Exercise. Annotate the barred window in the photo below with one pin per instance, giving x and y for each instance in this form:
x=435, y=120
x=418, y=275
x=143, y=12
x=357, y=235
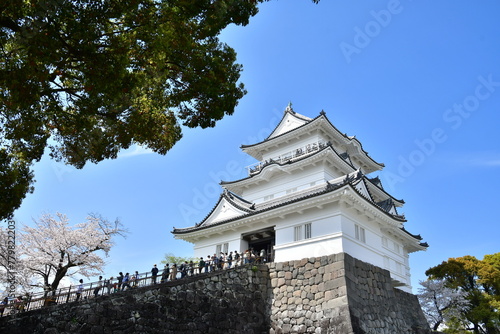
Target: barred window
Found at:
x=297, y=233
x=303, y=231
x=360, y=233
x=307, y=231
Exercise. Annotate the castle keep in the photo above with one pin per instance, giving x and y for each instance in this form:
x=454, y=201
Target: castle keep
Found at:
x=308, y=195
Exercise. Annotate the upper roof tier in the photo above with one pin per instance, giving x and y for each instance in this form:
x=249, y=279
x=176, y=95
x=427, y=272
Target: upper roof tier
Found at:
x=294, y=127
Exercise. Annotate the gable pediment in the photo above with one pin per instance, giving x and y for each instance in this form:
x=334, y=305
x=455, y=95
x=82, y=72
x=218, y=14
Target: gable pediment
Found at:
x=363, y=190
x=288, y=123
x=223, y=211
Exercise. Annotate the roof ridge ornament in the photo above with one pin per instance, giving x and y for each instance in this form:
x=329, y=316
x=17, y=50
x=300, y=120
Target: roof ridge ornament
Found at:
x=359, y=173
x=289, y=108
x=322, y=112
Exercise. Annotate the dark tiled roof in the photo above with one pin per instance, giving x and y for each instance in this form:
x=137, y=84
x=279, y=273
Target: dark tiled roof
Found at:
x=378, y=183
x=284, y=133
x=386, y=204
x=322, y=115
x=292, y=161
x=235, y=200
x=350, y=180
x=415, y=236
x=290, y=111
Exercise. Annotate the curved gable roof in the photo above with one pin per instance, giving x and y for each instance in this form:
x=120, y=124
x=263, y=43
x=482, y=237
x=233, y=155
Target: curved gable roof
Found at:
x=375, y=186
x=290, y=121
x=228, y=206
x=352, y=144
x=285, y=165
x=247, y=209
x=349, y=181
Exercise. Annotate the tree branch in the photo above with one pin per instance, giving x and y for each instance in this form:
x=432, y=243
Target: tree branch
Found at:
x=7, y=22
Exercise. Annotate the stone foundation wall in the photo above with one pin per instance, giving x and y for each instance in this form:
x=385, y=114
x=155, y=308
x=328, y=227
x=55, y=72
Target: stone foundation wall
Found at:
x=340, y=294
x=230, y=301
x=329, y=294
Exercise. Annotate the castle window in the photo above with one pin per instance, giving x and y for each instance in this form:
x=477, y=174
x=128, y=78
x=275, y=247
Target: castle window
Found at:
x=360, y=233
x=384, y=242
x=221, y=248
x=303, y=231
x=297, y=233
x=307, y=231
x=386, y=262
x=268, y=197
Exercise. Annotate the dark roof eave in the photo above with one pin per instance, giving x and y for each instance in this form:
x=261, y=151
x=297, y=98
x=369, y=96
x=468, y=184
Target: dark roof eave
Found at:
x=328, y=188
x=289, y=163
x=321, y=115
x=284, y=133
x=381, y=188
x=415, y=236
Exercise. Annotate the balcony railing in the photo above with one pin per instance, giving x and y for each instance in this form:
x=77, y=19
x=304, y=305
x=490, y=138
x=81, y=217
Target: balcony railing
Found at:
x=289, y=156
x=69, y=294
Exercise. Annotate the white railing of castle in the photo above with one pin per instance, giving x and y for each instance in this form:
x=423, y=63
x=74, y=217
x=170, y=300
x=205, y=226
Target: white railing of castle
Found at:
x=288, y=156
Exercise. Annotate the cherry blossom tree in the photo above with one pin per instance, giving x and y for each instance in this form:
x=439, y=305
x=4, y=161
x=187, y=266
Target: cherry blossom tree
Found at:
x=13, y=278
x=440, y=303
x=52, y=249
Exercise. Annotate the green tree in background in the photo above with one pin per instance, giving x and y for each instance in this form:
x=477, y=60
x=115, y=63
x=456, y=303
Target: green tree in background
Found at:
x=170, y=258
x=480, y=282
x=87, y=78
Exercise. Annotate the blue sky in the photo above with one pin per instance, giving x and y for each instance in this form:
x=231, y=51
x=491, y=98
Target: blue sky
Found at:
x=417, y=82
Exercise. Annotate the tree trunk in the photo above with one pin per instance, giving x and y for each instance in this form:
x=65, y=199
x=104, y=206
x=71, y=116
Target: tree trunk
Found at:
x=60, y=274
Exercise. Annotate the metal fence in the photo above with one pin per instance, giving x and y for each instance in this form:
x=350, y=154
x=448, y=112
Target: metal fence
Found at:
x=109, y=286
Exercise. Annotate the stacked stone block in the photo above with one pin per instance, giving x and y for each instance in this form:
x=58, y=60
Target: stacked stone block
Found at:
x=323, y=295
x=228, y=301
x=340, y=294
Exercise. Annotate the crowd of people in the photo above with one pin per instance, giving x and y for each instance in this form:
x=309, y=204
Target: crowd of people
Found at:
x=175, y=271
x=213, y=263
x=18, y=304
x=170, y=272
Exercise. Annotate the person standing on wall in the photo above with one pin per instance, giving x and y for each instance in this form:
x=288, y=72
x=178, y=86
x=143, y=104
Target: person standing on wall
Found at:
x=98, y=287
x=120, y=280
x=79, y=290
x=154, y=273
x=173, y=272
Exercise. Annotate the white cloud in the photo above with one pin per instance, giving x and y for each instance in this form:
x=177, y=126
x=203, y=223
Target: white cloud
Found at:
x=482, y=159
x=134, y=151
x=487, y=163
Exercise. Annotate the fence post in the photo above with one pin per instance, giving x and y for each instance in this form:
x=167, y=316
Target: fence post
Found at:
x=69, y=293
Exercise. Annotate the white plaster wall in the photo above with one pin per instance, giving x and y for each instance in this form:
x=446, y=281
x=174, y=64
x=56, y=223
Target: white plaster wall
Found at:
x=332, y=231
x=373, y=251
x=278, y=184
x=208, y=246
x=321, y=226
x=314, y=247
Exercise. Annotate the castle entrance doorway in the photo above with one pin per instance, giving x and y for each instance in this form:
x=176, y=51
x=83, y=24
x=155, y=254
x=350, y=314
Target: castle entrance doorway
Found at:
x=261, y=242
